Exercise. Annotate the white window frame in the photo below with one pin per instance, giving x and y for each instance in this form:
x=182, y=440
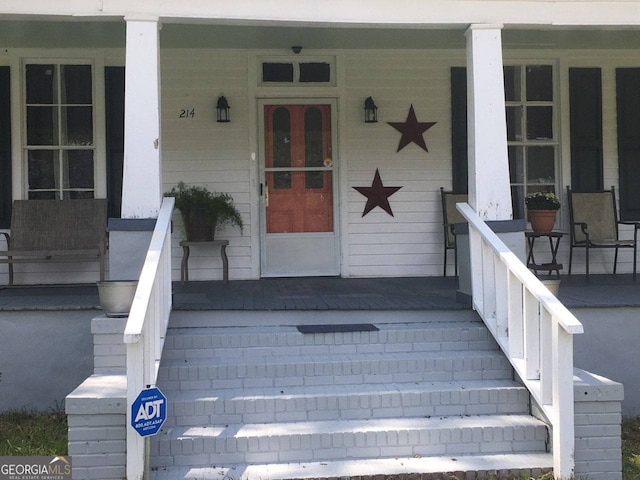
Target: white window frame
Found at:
x=295, y=62
x=525, y=143
x=98, y=141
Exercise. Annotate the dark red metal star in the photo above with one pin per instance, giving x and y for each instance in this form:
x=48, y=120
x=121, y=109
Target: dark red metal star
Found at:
x=377, y=195
x=412, y=130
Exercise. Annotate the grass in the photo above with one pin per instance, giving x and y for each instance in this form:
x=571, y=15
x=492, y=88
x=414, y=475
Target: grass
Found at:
x=631, y=448
x=25, y=433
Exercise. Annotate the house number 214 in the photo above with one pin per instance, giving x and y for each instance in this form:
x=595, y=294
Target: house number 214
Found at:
x=187, y=113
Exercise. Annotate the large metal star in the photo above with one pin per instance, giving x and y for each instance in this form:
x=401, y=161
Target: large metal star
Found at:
x=377, y=195
x=412, y=130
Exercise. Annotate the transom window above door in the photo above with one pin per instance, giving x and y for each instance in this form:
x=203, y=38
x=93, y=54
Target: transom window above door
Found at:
x=58, y=141
x=280, y=71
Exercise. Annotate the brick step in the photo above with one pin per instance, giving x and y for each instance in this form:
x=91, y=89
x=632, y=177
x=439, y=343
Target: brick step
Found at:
x=346, y=402
x=186, y=343
x=462, y=467
x=347, y=439
x=298, y=370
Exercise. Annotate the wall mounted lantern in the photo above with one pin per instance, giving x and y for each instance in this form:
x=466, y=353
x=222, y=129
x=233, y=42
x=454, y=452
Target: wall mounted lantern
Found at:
x=370, y=111
x=222, y=110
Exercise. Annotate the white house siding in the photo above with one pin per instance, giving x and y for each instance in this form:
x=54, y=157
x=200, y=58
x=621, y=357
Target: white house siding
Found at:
x=200, y=151
x=410, y=242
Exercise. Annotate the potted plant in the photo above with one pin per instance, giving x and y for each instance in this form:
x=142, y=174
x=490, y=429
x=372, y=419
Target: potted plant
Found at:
x=542, y=208
x=204, y=211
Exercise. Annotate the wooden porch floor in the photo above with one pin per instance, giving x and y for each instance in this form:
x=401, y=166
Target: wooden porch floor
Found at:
x=324, y=293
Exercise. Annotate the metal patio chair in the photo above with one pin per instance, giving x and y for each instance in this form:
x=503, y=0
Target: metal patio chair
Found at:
x=451, y=216
x=594, y=224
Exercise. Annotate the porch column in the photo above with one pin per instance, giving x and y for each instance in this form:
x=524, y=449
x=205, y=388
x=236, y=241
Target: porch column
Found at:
x=130, y=235
x=489, y=187
x=141, y=183
x=489, y=183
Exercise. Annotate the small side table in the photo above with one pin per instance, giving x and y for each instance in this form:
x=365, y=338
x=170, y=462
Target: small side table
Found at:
x=554, y=241
x=186, y=250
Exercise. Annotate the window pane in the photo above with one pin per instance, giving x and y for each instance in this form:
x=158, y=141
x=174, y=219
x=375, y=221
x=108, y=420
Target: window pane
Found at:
x=315, y=72
x=76, y=84
x=539, y=123
x=514, y=123
x=77, y=126
x=516, y=164
x=540, y=165
x=41, y=84
x=517, y=201
x=78, y=195
x=539, y=83
x=277, y=72
x=44, y=195
x=78, y=169
x=43, y=170
x=42, y=126
x=512, y=84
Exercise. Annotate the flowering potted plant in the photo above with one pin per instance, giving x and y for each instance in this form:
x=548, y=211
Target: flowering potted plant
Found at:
x=542, y=208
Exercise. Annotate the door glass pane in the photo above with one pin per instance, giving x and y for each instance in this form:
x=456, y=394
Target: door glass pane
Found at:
x=41, y=84
x=42, y=126
x=539, y=83
x=539, y=123
x=77, y=169
x=76, y=84
x=77, y=126
x=540, y=165
x=313, y=148
x=512, y=84
x=281, y=147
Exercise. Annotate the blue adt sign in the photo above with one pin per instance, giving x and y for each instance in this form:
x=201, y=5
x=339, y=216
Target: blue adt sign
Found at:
x=148, y=412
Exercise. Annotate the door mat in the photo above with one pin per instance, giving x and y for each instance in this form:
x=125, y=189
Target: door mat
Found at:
x=342, y=327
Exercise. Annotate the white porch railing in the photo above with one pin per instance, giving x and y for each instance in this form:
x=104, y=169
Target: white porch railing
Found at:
x=145, y=331
x=532, y=327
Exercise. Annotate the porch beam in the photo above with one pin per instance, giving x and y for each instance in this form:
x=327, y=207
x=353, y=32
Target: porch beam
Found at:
x=141, y=183
x=346, y=12
x=489, y=185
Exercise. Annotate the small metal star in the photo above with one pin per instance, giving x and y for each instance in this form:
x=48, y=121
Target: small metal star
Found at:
x=377, y=195
x=412, y=130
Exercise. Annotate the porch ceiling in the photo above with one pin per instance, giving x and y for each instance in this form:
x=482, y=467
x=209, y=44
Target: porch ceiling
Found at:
x=111, y=34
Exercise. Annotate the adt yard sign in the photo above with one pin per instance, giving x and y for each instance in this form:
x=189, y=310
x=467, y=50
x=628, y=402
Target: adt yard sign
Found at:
x=148, y=412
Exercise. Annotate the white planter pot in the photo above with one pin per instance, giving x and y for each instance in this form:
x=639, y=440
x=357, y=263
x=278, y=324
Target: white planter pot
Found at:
x=116, y=296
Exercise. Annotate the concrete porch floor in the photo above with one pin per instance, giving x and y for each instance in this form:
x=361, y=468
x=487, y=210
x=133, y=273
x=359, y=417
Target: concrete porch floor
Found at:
x=324, y=293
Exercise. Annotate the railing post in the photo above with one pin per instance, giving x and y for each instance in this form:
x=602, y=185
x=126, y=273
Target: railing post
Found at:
x=531, y=336
x=135, y=383
x=516, y=330
x=563, y=410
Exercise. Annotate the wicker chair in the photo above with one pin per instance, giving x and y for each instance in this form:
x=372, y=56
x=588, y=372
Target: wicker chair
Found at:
x=451, y=216
x=594, y=224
